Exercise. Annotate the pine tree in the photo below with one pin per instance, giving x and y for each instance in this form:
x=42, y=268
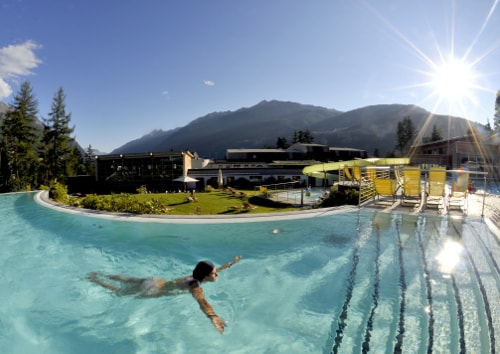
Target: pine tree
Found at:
x=88, y=161
x=302, y=136
x=307, y=137
x=20, y=139
x=4, y=163
x=488, y=125
x=59, y=157
x=282, y=143
x=436, y=134
x=405, y=135
x=496, y=120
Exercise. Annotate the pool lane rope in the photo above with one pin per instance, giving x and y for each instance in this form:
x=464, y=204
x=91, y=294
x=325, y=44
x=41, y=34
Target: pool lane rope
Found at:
x=460, y=315
x=428, y=287
x=350, y=287
x=375, y=296
x=402, y=301
x=484, y=295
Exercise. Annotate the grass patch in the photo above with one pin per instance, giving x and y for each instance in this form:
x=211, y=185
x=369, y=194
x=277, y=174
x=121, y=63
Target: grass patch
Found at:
x=216, y=202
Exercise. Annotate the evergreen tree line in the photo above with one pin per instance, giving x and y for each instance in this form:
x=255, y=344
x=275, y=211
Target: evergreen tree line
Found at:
x=37, y=152
x=299, y=136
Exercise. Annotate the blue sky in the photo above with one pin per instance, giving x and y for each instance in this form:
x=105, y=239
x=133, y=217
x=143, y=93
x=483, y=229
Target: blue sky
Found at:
x=129, y=66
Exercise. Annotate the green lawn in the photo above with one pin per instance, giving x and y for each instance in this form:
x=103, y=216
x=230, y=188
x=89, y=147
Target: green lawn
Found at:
x=216, y=202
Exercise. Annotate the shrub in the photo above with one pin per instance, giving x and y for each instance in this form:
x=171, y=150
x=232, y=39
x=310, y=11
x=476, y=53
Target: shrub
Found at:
x=341, y=197
x=58, y=192
x=142, y=190
x=123, y=203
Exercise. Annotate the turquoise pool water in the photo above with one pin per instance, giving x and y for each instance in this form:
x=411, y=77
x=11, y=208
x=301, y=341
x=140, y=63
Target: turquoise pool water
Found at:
x=336, y=283
x=296, y=196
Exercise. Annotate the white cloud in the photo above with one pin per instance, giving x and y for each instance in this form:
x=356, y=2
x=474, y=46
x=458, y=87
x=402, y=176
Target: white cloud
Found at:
x=5, y=90
x=209, y=83
x=16, y=60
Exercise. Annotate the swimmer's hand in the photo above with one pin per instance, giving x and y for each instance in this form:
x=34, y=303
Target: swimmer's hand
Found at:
x=229, y=264
x=218, y=323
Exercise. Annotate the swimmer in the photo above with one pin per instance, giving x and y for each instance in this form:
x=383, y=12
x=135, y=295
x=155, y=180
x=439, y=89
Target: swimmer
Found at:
x=204, y=271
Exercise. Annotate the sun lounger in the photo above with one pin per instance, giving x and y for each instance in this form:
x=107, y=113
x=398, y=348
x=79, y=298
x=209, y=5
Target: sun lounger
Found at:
x=356, y=171
x=347, y=173
x=412, y=185
x=458, y=195
x=436, y=187
x=371, y=173
x=385, y=188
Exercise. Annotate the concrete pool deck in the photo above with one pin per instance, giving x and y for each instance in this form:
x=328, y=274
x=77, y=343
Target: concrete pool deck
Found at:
x=490, y=211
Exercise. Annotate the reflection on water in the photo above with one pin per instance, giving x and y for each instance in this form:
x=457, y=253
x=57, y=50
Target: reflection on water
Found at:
x=351, y=280
x=449, y=256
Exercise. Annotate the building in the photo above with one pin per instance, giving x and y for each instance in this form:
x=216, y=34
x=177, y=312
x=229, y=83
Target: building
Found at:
x=296, y=152
x=155, y=170
x=242, y=168
x=460, y=152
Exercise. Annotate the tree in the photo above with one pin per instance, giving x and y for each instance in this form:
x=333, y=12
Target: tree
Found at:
x=59, y=156
x=282, y=143
x=488, y=125
x=405, y=135
x=436, y=134
x=88, y=161
x=4, y=165
x=496, y=120
x=20, y=140
x=302, y=136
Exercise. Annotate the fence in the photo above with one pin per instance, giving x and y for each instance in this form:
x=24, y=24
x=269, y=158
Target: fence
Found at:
x=287, y=192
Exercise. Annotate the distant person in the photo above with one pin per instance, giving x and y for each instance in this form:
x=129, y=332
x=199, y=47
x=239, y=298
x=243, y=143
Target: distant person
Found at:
x=472, y=187
x=192, y=197
x=204, y=271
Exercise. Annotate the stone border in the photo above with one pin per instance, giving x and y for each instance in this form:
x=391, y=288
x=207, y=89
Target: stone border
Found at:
x=43, y=199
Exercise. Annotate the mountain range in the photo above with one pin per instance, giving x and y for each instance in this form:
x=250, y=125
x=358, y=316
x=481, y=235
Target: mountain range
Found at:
x=367, y=128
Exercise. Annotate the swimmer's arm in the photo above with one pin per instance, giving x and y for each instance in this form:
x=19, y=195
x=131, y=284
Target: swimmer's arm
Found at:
x=218, y=323
x=229, y=264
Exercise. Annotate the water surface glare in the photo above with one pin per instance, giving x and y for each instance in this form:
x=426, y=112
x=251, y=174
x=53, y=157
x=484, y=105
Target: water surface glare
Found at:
x=335, y=283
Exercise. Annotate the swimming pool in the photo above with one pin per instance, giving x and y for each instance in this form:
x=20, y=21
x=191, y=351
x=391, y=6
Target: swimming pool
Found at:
x=299, y=196
x=336, y=283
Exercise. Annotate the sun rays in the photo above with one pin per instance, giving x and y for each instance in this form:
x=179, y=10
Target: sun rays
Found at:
x=453, y=79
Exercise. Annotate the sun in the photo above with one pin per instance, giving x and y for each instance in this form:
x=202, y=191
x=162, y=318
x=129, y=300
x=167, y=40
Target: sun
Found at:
x=453, y=80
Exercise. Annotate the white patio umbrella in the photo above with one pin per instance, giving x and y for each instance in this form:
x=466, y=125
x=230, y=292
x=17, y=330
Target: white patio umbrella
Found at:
x=185, y=179
x=220, y=179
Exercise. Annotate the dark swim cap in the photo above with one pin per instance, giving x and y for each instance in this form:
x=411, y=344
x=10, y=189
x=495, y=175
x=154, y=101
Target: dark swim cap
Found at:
x=202, y=269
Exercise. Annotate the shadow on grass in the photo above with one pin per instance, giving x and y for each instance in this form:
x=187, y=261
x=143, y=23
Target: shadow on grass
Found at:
x=234, y=211
x=268, y=203
x=180, y=203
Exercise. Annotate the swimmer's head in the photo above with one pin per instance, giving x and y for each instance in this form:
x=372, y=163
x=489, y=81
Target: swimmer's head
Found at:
x=203, y=269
